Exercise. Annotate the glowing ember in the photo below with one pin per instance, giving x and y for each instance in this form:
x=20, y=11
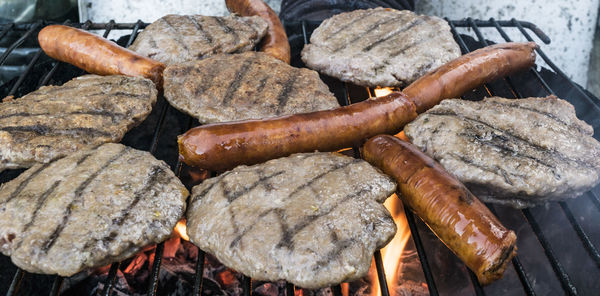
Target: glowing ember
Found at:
x=380, y=92
x=180, y=229
x=393, y=251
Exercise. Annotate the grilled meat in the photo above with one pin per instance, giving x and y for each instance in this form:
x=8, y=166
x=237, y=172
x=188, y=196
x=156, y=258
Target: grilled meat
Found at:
x=249, y=85
x=88, y=209
x=179, y=38
x=514, y=152
x=312, y=219
x=55, y=121
x=380, y=47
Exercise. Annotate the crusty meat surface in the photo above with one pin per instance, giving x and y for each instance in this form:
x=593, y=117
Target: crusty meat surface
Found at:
x=55, y=121
x=380, y=46
x=88, y=209
x=520, y=152
x=180, y=38
x=250, y=85
x=312, y=219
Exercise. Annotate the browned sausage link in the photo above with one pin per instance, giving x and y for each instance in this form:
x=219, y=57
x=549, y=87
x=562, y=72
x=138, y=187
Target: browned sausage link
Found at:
x=275, y=43
x=469, y=71
x=223, y=146
x=457, y=217
x=96, y=55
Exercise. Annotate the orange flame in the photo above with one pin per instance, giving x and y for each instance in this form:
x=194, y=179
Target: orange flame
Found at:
x=380, y=92
x=181, y=228
x=392, y=253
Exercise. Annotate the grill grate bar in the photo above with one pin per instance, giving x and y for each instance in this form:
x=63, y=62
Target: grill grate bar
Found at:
x=381, y=274
x=6, y=30
x=595, y=199
x=556, y=69
x=134, y=33
x=198, y=276
x=109, y=26
x=565, y=281
x=18, y=42
x=16, y=282
x=290, y=290
x=112, y=274
x=35, y=58
x=410, y=217
x=247, y=285
x=158, y=255
x=582, y=235
x=56, y=285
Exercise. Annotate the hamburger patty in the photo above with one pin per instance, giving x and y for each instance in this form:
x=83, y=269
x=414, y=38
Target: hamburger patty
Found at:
x=55, y=121
x=312, y=219
x=380, y=46
x=250, y=85
x=517, y=152
x=88, y=209
x=180, y=38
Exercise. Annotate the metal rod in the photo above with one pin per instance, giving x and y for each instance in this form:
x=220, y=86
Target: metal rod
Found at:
x=523, y=276
x=304, y=32
x=476, y=285
x=16, y=282
x=109, y=26
x=110, y=279
x=489, y=23
x=199, y=275
x=159, y=126
x=18, y=42
x=517, y=264
x=421, y=252
x=595, y=199
x=582, y=235
x=337, y=290
x=565, y=281
x=35, y=58
x=290, y=290
x=381, y=274
x=556, y=69
x=158, y=255
x=56, y=285
x=6, y=30
x=247, y=285
x=134, y=33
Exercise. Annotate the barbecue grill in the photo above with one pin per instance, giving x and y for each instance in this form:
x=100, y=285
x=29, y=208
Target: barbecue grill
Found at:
x=558, y=243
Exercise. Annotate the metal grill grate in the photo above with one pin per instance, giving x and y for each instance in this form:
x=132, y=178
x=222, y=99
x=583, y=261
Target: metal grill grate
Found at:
x=587, y=106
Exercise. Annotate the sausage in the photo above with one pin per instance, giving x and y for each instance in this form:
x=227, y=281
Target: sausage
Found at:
x=219, y=147
x=226, y=145
x=458, y=76
x=97, y=55
x=453, y=213
x=275, y=43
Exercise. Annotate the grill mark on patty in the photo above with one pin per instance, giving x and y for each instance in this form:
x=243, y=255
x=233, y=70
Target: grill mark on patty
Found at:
x=38, y=205
x=157, y=175
x=45, y=130
x=392, y=35
x=209, y=187
x=365, y=33
x=286, y=90
x=205, y=35
x=177, y=36
x=262, y=180
x=334, y=253
x=336, y=167
x=237, y=80
x=516, y=138
x=496, y=171
x=352, y=23
x=288, y=233
x=228, y=30
x=27, y=180
x=545, y=114
x=77, y=194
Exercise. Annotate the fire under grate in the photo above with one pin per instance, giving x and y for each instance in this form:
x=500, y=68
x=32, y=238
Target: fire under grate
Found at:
x=558, y=251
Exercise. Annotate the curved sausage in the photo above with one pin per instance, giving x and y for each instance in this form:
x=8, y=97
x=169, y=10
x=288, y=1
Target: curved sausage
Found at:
x=453, y=213
x=223, y=146
x=275, y=43
x=469, y=71
x=96, y=55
